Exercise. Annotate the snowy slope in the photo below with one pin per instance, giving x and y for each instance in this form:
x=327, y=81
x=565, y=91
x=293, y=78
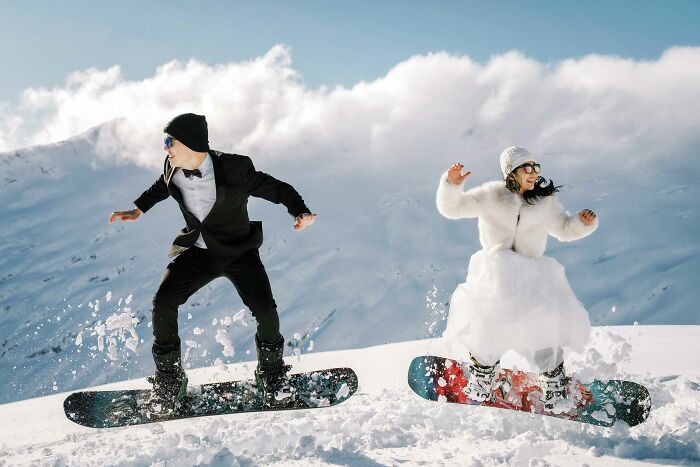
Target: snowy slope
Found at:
x=377, y=267
x=385, y=424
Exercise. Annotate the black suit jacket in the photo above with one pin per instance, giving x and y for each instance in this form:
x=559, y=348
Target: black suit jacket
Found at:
x=227, y=230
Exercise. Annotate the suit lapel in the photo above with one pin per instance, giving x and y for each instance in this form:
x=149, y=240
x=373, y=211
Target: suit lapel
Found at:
x=172, y=188
x=169, y=176
x=219, y=179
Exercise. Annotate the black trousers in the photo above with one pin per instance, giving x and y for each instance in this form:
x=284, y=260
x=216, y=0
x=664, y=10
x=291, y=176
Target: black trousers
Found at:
x=195, y=268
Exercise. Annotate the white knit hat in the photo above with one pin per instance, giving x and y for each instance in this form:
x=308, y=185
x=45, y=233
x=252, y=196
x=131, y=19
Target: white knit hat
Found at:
x=512, y=158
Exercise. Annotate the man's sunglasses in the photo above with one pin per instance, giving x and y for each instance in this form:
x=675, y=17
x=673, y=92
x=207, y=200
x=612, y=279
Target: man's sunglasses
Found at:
x=530, y=167
x=169, y=140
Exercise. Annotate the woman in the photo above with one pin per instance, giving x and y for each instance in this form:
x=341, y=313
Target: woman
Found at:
x=514, y=298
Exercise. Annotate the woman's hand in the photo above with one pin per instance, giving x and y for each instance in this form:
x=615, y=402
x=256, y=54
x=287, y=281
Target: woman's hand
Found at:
x=587, y=216
x=454, y=174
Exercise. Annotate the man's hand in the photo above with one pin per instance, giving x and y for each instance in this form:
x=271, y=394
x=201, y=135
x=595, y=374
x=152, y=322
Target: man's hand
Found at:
x=587, y=216
x=454, y=174
x=303, y=221
x=127, y=216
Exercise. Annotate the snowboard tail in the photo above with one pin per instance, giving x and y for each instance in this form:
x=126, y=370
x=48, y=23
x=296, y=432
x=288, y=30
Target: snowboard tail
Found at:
x=109, y=409
x=599, y=403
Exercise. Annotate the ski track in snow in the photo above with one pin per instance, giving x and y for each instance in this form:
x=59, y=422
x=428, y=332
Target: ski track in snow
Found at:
x=386, y=424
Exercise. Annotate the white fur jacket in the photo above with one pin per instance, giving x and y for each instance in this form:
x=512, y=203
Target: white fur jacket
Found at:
x=506, y=221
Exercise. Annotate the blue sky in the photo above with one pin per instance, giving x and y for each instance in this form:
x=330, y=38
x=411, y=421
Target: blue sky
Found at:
x=332, y=42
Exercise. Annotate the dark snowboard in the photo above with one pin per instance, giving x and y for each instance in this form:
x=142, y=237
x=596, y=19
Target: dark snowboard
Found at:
x=108, y=409
x=599, y=403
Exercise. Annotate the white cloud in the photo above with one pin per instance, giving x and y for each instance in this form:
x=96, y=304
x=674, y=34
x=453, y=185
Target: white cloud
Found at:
x=435, y=105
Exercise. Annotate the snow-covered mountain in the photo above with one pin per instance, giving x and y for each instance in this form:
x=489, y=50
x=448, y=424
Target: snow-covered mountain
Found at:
x=378, y=266
x=384, y=423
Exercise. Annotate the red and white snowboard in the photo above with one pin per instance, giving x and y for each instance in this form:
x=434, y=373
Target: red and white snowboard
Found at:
x=599, y=403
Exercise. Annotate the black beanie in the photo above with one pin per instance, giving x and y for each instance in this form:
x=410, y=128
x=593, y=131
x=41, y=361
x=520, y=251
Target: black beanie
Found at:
x=190, y=130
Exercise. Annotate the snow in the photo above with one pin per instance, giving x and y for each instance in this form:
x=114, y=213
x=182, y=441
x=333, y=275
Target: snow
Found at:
x=239, y=317
x=384, y=423
x=377, y=267
x=364, y=287
x=223, y=337
x=343, y=391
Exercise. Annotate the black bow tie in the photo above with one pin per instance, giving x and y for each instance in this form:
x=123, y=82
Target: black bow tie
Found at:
x=190, y=173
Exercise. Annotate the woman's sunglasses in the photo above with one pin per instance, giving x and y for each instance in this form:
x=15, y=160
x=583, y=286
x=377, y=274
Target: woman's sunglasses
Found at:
x=169, y=140
x=528, y=168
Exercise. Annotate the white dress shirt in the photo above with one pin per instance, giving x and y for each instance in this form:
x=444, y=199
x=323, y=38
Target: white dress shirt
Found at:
x=198, y=194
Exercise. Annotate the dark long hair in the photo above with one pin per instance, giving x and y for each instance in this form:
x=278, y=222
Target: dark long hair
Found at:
x=542, y=188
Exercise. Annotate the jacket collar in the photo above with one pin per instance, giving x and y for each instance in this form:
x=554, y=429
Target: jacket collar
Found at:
x=219, y=180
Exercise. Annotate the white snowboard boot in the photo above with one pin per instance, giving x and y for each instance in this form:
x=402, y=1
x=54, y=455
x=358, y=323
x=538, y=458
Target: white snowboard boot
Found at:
x=554, y=385
x=480, y=380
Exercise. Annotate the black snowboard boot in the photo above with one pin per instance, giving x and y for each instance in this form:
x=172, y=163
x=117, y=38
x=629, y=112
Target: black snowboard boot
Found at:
x=554, y=385
x=169, y=383
x=271, y=373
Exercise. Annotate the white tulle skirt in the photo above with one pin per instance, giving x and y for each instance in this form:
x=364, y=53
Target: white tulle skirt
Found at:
x=514, y=302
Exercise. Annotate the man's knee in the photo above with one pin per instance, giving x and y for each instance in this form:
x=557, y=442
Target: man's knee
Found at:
x=167, y=297
x=262, y=306
x=163, y=301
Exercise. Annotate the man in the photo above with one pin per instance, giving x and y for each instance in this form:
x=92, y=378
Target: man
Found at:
x=212, y=190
